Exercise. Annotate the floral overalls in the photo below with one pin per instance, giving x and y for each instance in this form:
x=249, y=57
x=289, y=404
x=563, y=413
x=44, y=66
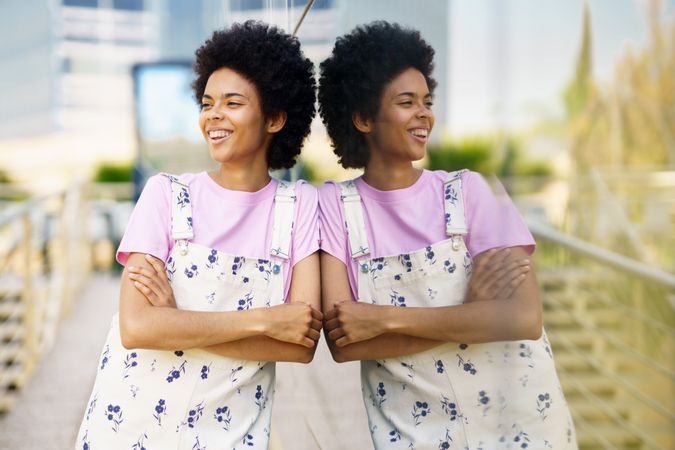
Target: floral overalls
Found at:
x=499, y=395
x=192, y=399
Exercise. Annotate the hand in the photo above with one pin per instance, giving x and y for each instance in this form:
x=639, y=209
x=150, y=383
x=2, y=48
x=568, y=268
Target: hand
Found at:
x=153, y=283
x=295, y=322
x=496, y=275
x=349, y=322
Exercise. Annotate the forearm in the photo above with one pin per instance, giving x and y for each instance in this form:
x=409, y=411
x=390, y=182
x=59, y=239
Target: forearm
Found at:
x=169, y=328
x=263, y=348
x=390, y=345
x=487, y=321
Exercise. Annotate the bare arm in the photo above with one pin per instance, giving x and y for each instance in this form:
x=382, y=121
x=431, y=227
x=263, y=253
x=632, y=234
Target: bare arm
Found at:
x=304, y=293
x=518, y=316
x=304, y=288
x=334, y=290
x=143, y=325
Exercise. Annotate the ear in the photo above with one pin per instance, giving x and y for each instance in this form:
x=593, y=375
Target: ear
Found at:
x=361, y=123
x=275, y=123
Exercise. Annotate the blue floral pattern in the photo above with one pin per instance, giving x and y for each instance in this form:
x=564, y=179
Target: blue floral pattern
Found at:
x=419, y=411
x=129, y=363
x=160, y=411
x=139, y=397
x=105, y=357
x=456, y=392
x=114, y=415
x=224, y=416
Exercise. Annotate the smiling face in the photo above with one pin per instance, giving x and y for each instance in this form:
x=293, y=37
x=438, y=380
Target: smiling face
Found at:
x=232, y=121
x=400, y=130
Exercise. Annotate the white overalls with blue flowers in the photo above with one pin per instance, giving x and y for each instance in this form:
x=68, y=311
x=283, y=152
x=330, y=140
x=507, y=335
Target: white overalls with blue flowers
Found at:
x=193, y=399
x=499, y=395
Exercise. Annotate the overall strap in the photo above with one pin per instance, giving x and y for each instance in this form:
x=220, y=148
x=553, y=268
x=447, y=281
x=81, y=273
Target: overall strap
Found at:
x=181, y=210
x=284, y=212
x=455, y=221
x=356, y=227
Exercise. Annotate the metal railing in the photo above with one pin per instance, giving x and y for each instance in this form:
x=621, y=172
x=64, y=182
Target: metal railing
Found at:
x=44, y=260
x=611, y=323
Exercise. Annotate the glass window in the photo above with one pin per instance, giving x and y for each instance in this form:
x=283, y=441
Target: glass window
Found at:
x=244, y=5
x=318, y=4
x=131, y=5
x=83, y=3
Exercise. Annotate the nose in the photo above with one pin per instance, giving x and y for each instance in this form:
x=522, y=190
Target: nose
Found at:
x=214, y=113
x=423, y=111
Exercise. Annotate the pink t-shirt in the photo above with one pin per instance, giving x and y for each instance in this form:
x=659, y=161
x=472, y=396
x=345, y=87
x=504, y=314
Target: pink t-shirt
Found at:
x=235, y=222
x=405, y=220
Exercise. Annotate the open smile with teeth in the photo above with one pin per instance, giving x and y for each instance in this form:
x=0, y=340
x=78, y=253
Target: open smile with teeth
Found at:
x=420, y=133
x=219, y=134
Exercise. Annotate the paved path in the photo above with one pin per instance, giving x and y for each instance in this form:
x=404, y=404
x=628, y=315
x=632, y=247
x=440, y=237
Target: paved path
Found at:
x=317, y=406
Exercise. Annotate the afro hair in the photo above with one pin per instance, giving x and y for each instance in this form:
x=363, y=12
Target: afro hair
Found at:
x=354, y=76
x=271, y=60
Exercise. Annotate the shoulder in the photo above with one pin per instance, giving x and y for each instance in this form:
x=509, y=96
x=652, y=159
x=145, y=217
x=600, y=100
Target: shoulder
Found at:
x=163, y=180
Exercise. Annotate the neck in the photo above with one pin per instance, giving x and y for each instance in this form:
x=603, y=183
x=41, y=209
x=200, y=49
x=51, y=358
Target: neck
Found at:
x=237, y=178
x=387, y=177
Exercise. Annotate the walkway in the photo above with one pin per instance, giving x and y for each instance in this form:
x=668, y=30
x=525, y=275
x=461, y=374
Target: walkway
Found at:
x=317, y=406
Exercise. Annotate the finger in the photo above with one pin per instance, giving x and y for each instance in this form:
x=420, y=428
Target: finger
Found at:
x=316, y=324
x=332, y=324
x=159, y=275
x=342, y=341
x=307, y=342
x=155, y=263
x=147, y=281
x=506, y=266
x=513, y=270
x=484, y=262
x=147, y=292
x=336, y=334
x=313, y=335
x=513, y=285
x=316, y=314
x=330, y=314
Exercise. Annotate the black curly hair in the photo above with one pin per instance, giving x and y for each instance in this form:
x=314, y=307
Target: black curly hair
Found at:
x=271, y=60
x=354, y=76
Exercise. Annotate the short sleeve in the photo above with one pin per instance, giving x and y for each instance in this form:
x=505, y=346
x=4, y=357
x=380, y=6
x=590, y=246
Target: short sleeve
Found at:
x=334, y=238
x=305, y=239
x=492, y=218
x=149, y=227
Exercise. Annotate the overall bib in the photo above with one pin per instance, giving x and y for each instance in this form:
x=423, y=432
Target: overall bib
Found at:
x=193, y=399
x=498, y=395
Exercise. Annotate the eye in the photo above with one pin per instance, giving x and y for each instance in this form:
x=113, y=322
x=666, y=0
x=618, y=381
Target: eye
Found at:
x=429, y=103
x=233, y=104
x=204, y=106
x=406, y=103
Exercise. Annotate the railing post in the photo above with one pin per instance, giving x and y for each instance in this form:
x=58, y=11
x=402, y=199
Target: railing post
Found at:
x=27, y=295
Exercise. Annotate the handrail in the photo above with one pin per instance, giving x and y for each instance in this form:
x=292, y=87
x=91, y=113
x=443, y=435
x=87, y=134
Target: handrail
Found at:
x=14, y=211
x=609, y=411
x=634, y=315
x=602, y=255
x=44, y=240
x=635, y=392
x=646, y=360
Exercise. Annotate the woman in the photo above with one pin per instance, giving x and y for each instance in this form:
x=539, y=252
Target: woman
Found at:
x=448, y=360
x=190, y=372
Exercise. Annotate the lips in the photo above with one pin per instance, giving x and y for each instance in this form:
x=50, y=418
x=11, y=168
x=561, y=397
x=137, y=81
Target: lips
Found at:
x=218, y=135
x=421, y=134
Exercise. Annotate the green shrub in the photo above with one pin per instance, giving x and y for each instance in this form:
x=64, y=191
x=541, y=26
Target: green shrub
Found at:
x=473, y=154
x=113, y=173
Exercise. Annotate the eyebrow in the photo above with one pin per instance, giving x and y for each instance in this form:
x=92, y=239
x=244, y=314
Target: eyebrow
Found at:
x=411, y=94
x=225, y=95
